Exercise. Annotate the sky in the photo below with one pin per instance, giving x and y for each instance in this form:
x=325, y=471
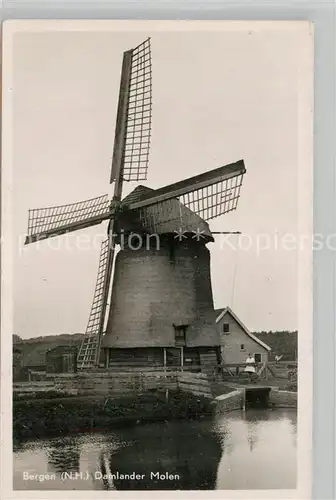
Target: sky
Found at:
x=217, y=97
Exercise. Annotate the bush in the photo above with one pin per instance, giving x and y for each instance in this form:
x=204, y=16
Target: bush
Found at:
x=292, y=387
x=38, y=417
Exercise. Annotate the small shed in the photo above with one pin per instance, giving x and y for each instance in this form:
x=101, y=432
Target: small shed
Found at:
x=237, y=341
x=62, y=359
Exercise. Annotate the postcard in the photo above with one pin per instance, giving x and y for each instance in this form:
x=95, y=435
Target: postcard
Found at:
x=157, y=258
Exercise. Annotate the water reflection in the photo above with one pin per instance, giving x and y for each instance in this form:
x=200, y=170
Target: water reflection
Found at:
x=168, y=456
x=251, y=450
x=64, y=456
x=252, y=435
x=262, y=450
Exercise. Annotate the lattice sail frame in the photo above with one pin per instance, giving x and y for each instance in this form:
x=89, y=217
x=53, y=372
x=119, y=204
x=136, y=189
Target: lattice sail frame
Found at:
x=215, y=200
x=139, y=115
x=90, y=347
x=208, y=203
x=52, y=218
x=208, y=195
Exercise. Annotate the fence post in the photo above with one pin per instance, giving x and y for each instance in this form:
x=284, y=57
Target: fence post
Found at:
x=107, y=359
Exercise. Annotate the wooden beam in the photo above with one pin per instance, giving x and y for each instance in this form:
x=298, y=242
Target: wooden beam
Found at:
x=192, y=184
x=121, y=124
x=116, y=175
x=107, y=286
x=107, y=358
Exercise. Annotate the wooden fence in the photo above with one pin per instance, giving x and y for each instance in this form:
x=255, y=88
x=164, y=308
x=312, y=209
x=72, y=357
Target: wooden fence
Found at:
x=33, y=386
x=265, y=370
x=110, y=383
x=195, y=383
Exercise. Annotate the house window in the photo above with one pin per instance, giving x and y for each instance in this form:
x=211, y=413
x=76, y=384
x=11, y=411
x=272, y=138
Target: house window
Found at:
x=257, y=358
x=226, y=328
x=180, y=335
x=242, y=347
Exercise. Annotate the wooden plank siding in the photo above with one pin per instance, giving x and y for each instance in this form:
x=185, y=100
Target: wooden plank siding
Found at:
x=153, y=358
x=136, y=358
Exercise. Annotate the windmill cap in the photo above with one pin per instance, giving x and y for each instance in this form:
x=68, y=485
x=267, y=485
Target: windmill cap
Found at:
x=165, y=217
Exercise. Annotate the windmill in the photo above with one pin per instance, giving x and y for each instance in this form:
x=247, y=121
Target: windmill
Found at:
x=176, y=213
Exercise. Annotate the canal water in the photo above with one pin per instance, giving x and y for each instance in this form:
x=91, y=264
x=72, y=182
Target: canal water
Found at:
x=242, y=450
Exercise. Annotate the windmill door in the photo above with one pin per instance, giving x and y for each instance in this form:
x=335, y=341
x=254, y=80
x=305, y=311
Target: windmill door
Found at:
x=173, y=357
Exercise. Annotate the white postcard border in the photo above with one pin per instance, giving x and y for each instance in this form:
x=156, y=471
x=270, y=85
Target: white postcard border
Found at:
x=305, y=292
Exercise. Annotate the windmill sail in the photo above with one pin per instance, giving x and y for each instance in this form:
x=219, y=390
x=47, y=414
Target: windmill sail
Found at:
x=138, y=131
x=208, y=195
x=130, y=154
x=53, y=221
x=90, y=348
x=133, y=125
x=129, y=163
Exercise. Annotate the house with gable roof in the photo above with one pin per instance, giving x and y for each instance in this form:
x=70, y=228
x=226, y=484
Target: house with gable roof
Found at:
x=236, y=340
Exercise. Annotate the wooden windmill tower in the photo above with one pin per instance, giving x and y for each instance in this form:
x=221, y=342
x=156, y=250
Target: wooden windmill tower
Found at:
x=160, y=299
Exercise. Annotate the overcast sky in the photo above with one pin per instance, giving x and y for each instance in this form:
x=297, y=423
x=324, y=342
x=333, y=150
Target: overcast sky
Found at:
x=217, y=97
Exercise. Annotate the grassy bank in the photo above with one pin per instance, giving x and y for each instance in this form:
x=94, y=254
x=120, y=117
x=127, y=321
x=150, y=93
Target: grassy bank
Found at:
x=53, y=415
